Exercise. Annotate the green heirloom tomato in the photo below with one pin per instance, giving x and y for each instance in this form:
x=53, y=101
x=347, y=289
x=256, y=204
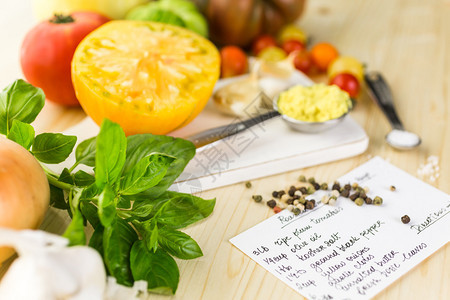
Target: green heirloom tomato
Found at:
x=181, y=13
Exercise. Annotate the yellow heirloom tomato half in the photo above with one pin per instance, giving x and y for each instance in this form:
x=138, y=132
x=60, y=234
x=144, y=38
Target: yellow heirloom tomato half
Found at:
x=148, y=77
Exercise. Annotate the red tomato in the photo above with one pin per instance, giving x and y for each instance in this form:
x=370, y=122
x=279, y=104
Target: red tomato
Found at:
x=303, y=62
x=233, y=61
x=262, y=42
x=48, y=49
x=347, y=82
x=293, y=45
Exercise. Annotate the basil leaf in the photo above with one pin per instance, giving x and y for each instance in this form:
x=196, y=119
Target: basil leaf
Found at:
x=142, y=209
x=110, y=153
x=181, y=210
x=96, y=240
x=22, y=133
x=158, y=268
x=90, y=192
x=81, y=178
x=66, y=177
x=85, y=152
x=123, y=203
x=90, y=212
x=140, y=145
x=19, y=101
x=75, y=231
x=53, y=148
x=178, y=244
x=149, y=231
x=57, y=198
x=106, y=206
x=117, y=242
x=147, y=173
x=152, y=239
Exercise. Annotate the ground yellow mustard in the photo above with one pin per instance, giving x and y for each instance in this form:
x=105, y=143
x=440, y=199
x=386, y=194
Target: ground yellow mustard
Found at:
x=316, y=103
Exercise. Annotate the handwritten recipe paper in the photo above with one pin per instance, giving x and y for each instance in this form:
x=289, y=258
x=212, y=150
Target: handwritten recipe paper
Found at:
x=348, y=251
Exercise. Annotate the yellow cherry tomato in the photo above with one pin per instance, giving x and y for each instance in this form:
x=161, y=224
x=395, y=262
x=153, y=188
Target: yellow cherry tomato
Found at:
x=272, y=54
x=292, y=32
x=346, y=64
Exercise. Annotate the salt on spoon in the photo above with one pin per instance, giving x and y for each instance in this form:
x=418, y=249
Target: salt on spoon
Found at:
x=398, y=138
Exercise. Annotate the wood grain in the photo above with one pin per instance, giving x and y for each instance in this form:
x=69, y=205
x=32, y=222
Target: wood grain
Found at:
x=409, y=42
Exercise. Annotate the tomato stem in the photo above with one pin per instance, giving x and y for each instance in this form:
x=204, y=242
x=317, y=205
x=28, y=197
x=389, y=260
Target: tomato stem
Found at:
x=61, y=19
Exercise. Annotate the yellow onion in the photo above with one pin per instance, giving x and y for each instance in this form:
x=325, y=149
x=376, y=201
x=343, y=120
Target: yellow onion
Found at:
x=24, y=190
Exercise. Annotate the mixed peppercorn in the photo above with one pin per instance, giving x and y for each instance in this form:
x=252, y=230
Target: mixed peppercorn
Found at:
x=405, y=219
x=294, y=198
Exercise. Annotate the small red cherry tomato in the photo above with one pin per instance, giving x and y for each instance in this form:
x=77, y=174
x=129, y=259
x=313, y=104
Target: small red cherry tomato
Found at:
x=47, y=52
x=347, y=82
x=262, y=42
x=293, y=45
x=233, y=61
x=303, y=62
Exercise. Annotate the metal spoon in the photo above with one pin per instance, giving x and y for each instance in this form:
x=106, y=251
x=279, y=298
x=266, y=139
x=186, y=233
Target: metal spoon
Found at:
x=211, y=135
x=398, y=138
x=214, y=134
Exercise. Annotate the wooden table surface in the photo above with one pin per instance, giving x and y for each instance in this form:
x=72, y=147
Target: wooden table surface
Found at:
x=409, y=42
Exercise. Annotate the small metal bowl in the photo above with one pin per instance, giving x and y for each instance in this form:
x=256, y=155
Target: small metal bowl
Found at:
x=309, y=127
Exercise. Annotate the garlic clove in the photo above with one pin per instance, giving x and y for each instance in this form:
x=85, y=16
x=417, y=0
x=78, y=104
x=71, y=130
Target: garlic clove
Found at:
x=115, y=291
x=281, y=69
x=235, y=97
x=86, y=267
x=272, y=86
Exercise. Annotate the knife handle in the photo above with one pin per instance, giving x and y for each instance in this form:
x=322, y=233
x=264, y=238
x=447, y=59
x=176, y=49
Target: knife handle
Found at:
x=211, y=135
x=381, y=94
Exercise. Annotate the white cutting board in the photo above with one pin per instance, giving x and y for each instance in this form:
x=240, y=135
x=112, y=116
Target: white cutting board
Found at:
x=265, y=149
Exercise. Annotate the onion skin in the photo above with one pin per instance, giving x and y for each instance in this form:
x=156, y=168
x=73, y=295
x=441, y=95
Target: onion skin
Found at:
x=24, y=190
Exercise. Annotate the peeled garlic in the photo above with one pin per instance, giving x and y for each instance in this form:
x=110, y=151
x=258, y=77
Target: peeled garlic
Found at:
x=249, y=95
x=272, y=86
x=282, y=69
x=237, y=98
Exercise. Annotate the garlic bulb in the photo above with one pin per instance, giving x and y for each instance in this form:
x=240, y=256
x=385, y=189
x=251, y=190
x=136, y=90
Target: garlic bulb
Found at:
x=47, y=269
